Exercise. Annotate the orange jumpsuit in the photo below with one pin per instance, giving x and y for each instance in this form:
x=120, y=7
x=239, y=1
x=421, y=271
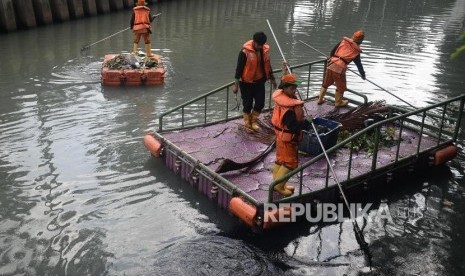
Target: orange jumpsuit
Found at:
x=287, y=142
x=345, y=53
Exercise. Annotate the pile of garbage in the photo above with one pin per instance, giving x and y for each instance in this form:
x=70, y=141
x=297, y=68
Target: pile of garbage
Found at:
x=130, y=61
x=321, y=129
x=359, y=117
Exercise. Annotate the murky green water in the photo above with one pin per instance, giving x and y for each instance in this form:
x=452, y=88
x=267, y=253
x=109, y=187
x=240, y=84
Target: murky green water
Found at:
x=79, y=194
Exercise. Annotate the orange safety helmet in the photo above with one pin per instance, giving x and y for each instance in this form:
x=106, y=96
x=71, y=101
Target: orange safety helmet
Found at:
x=141, y=3
x=358, y=36
x=290, y=79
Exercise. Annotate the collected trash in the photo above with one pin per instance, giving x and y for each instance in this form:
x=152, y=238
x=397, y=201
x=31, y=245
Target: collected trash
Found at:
x=320, y=129
x=328, y=131
x=132, y=70
x=130, y=61
x=356, y=118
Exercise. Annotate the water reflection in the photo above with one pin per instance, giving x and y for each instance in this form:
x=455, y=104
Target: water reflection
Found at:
x=194, y=257
x=419, y=212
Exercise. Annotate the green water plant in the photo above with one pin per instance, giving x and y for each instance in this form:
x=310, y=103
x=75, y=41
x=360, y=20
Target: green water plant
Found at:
x=366, y=142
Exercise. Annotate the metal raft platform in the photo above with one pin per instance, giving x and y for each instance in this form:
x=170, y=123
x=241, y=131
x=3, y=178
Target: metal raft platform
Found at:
x=196, y=136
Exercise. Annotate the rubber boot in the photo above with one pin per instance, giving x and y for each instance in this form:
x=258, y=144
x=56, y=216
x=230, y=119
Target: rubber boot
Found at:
x=289, y=187
x=148, y=50
x=338, y=101
x=247, y=121
x=253, y=121
x=275, y=171
x=321, y=98
x=134, y=48
x=281, y=187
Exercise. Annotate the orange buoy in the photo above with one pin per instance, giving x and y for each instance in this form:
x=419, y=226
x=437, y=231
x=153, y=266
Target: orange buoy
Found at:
x=152, y=145
x=155, y=76
x=133, y=77
x=445, y=154
x=112, y=77
x=272, y=217
x=244, y=211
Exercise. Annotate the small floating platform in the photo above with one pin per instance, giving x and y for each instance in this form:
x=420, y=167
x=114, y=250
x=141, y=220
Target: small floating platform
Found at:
x=130, y=70
x=196, y=153
x=193, y=145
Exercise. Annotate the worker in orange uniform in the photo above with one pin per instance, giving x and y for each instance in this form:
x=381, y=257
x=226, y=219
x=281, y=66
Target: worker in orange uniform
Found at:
x=288, y=121
x=343, y=53
x=140, y=25
x=252, y=71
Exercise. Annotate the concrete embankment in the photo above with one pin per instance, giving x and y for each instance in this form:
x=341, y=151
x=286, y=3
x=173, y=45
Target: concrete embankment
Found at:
x=26, y=14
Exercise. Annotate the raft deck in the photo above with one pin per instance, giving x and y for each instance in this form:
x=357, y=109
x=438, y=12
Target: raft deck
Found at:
x=209, y=145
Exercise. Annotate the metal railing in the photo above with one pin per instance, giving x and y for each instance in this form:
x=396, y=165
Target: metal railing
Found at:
x=423, y=121
x=215, y=106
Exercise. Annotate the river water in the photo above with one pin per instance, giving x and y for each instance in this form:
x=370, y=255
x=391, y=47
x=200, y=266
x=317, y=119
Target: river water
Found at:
x=80, y=195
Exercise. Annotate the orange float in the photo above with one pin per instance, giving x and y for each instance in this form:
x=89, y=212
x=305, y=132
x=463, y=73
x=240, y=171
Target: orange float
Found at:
x=248, y=214
x=152, y=145
x=445, y=154
x=244, y=211
x=271, y=217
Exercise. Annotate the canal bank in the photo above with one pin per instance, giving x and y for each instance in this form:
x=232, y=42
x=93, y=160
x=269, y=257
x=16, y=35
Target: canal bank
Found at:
x=26, y=14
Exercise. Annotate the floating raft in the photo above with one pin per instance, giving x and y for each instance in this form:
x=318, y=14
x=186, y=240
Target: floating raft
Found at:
x=196, y=153
x=132, y=76
x=194, y=138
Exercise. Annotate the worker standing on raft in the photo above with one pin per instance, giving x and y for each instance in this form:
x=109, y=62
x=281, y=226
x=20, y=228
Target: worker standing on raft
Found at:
x=343, y=53
x=140, y=25
x=288, y=121
x=252, y=71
